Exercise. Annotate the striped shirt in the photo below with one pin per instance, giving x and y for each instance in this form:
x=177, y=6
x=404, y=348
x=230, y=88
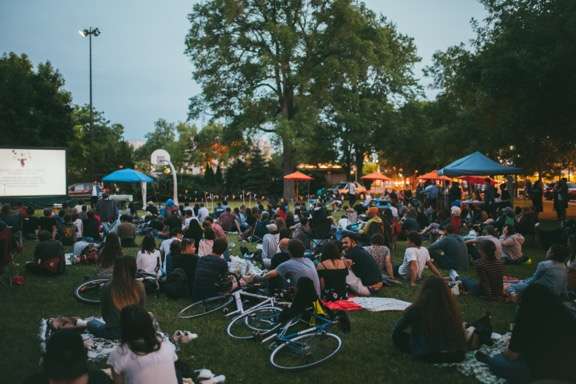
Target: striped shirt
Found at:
x=490, y=273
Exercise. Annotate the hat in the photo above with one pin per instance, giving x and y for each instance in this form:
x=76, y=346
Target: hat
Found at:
x=272, y=227
x=66, y=357
x=169, y=203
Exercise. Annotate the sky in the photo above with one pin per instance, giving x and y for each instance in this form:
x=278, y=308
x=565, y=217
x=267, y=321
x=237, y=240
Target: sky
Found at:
x=140, y=72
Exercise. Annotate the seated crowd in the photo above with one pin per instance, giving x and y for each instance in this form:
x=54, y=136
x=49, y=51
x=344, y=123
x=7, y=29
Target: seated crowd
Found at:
x=351, y=256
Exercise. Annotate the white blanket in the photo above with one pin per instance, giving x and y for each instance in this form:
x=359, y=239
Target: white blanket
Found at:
x=378, y=304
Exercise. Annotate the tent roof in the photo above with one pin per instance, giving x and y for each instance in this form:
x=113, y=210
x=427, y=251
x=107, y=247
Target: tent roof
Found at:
x=433, y=175
x=375, y=176
x=297, y=176
x=477, y=164
x=127, y=175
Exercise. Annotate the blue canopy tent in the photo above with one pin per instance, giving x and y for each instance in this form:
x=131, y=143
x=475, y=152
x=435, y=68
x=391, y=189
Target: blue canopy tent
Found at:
x=477, y=164
x=129, y=175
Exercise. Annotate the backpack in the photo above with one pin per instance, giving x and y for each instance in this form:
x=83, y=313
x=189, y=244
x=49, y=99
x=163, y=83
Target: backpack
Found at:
x=176, y=284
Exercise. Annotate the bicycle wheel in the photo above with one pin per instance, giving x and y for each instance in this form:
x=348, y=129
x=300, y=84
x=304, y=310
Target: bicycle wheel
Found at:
x=204, y=307
x=260, y=320
x=305, y=351
x=90, y=291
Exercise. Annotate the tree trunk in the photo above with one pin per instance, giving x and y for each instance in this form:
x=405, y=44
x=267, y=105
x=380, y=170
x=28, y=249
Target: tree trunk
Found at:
x=359, y=158
x=287, y=167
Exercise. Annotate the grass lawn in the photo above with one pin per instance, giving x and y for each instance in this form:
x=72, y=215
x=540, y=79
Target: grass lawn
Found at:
x=368, y=355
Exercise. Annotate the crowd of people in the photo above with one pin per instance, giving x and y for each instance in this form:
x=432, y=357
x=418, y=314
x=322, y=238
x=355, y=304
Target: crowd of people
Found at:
x=186, y=248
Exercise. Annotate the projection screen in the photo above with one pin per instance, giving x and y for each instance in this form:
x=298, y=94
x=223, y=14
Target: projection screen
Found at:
x=32, y=172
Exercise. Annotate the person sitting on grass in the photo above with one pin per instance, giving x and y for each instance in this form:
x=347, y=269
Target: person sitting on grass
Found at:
x=365, y=277
x=512, y=242
x=298, y=266
x=542, y=342
x=416, y=258
x=148, y=258
x=207, y=242
x=436, y=331
x=108, y=254
x=270, y=244
x=48, y=256
x=144, y=356
x=211, y=270
x=490, y=234
x=332, y=271
x=187, y=260
x=66, y=362
x=122, y=291
x=381, y=254
x=48, y=223
x=91, y=227
x=126, y=231
x=551, y=273
x=450, y=252
x=490, y=273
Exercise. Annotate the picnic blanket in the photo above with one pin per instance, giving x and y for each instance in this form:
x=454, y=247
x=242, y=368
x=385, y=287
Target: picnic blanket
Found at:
x=371, y=304
x=472, y=367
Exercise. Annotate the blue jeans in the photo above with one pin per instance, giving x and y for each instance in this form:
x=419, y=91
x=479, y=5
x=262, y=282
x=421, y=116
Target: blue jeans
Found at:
x=519, y=287
x=514, y=371
x=99, y=329
x=471, y=285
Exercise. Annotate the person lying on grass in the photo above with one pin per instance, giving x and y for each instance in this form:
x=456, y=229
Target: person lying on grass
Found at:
x=416, y=258
x=436, y=331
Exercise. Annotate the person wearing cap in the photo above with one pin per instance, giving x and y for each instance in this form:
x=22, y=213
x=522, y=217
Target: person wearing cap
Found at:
x=270, y=244
x=66, y=362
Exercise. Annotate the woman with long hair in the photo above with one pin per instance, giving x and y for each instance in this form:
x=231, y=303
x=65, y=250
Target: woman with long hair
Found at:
x=108, y=254
x=332, y=271
x=143, y=357
x=206, y=244
x=148, y=258
x=436, y=329
x=122, y=291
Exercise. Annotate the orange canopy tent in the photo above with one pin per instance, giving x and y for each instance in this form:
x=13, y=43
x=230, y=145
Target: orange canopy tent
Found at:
x=375, y=176
x=298, y=177
x=433, y=175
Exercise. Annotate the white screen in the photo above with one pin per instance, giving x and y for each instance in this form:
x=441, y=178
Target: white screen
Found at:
x=32, y=172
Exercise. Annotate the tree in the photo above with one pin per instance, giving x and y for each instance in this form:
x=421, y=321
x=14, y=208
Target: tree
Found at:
x=258, y=180
x=517, y=81
x=109, y=152
x=35, y=110
x=236, y=176
x=267, y=65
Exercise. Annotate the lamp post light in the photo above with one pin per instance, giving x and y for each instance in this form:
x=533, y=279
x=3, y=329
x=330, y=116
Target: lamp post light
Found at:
x=89, y=32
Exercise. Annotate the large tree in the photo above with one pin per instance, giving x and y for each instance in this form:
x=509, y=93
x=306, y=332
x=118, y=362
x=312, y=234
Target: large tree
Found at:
x=267, y=65
x=35, y=110
x=517, y=82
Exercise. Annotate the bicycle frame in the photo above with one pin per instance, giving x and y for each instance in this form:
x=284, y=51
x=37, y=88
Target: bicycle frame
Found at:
x=284, y=337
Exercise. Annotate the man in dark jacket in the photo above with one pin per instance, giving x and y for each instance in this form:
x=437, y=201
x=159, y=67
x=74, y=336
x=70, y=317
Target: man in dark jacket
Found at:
x=48, y=256
x=211, y=270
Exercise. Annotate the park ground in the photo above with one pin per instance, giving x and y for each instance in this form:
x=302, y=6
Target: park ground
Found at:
x=368, y=355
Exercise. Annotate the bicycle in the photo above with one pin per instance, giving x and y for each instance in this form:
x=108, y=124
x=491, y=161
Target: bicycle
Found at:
x=90, y=291
x=296, y=350
x=238, y=296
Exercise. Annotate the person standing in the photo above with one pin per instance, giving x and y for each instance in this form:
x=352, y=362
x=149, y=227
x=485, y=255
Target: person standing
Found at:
x=537, y=193
x=561, y=200
x=351, y=193
x=489, y=196
x=95, y=194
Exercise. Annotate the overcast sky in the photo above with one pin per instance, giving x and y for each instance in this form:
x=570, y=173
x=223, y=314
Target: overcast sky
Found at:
x=140, y=71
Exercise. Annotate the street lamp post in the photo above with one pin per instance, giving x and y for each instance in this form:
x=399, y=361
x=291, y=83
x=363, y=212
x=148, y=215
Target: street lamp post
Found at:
x=89, y=32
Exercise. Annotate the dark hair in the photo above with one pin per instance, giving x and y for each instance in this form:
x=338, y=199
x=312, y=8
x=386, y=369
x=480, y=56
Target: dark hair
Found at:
x=220, y=245
x=440, y=314
x=559, y=252
x=511, y=229
x=175, y=231
x=47, y=212
x=148, y=244
x=209, y=233
x=284, y=233
x=44, y=235
x=185, y=243
x=491, y=230
x=175, y=247
x=137, y=330
x=209, y=219
x=91, y=214
x=66, y=357
x=124, y=288
x=351, y=236
x=415, y=238
x=377, y=239
x=451, y=229
x=111, y=251
x=488, y=248
x=331, y=251
x=296, y=248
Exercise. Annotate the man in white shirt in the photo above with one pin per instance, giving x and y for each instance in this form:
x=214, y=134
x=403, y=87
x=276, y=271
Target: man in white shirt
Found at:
x=416, y=258
x=202, y=213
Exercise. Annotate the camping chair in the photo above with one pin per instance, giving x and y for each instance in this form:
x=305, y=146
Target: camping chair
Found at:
x=6, y=266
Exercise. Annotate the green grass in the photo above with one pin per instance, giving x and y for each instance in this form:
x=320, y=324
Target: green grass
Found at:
x=368, y=355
